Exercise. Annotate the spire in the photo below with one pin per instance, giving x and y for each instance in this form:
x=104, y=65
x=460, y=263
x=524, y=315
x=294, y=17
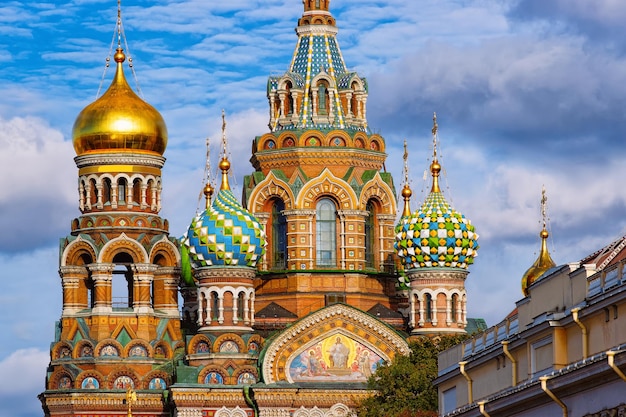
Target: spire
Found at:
x=224, y=162
x=208, y=188
x=406, y=190
x=544, y=260
x=435, y=168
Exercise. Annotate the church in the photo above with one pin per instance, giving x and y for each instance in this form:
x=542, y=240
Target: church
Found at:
x=279, y=303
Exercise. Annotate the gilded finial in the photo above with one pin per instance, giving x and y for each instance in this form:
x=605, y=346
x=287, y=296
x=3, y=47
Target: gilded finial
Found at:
x=406, y=190
x=208, y=188
x=224, y=162
x=435, y=168
x=131, y=397
x=544, y=260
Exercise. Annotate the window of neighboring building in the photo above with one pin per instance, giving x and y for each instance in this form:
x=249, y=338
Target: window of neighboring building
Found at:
x=449, y=400
x=279, y=236
x=541, y=356
x=326, y=227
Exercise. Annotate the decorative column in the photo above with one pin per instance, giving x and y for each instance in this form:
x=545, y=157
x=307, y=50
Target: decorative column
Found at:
x=166, y=281
x=300, y=226
x=102, y=276
x=143, y=275
x=71, y=276
x=386, y=237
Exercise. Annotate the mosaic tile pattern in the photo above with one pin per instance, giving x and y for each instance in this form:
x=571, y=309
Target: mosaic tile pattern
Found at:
x=436, y=236
x=316, y=53
x=225, y=234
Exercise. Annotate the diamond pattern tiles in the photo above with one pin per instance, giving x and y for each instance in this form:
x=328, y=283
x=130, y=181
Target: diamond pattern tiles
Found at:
x=436, y=236
x=225, y=234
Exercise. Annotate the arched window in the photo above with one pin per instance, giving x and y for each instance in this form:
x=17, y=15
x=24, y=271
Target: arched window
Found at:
x=279, y=236
x=93, y=192
x=326, y=228
x=149, y=191
x=121, y=190
x=370, y=235
x=215, y=305
x=288, y=99
x=106, y=191
x=137, y=191
x=240, y=305
x=323, y=98
x=453, y=307
x=354, y=105
x=123, y=282
x=428, y=308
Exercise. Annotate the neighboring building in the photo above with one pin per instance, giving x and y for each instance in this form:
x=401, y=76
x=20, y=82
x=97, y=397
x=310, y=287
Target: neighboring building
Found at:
x=290, y=300
x=562, y=351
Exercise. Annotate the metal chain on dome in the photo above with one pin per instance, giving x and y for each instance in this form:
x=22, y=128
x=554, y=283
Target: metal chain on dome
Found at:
x=119, y=34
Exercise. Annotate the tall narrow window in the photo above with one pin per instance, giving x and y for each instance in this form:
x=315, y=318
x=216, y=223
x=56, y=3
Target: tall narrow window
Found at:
x=137, y=192
x=240, y=305
x=121, y=190
x=123, y=281
x=326, y=218
x=453, y=307
x=279, y=236
x=93, y=192
x=106, y=191
x=370, y=235
x=288, y=99
x=428, y=310
x=215, y=305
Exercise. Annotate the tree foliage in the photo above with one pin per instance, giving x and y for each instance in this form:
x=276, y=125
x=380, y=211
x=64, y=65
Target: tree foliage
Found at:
x=404, y=387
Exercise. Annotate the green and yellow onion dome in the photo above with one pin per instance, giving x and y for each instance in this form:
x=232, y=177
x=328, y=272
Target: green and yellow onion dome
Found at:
x=436, y=236
x=119, y=121
x=225, y=234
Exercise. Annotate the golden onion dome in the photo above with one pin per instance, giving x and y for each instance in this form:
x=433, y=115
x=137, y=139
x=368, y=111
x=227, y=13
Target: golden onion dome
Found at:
x=119, y=121
x=543, y=263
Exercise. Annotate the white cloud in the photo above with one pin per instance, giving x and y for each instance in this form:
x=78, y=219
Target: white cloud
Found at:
x=23, y=379
x=37, y=183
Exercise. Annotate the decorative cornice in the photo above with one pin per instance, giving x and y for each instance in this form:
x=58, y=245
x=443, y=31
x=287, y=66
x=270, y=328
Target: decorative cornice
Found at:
x=104, y=401
x=120, y=159
x=317, y=29
x=436, y=275
x=318, y=156
x=224, y=272
x=299, y=212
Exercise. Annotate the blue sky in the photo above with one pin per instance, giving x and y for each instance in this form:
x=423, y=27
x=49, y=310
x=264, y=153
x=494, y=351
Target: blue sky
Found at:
x=527, y=92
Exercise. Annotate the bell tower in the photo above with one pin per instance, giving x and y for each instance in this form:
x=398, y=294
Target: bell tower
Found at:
x=119, y=267
x=320, y=187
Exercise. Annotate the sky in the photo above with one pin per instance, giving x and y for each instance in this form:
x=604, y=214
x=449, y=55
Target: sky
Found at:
x=528, y=93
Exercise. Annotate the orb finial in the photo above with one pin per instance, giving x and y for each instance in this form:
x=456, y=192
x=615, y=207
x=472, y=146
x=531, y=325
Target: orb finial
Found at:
x=435, y=167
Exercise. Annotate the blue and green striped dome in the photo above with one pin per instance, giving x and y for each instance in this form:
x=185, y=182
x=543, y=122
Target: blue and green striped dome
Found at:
x=225, y=234
x=436, y=236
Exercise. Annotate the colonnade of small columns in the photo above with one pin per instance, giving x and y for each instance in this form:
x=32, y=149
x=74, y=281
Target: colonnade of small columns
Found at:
x=426, y=307
x=138, y=191
x=230, y=306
